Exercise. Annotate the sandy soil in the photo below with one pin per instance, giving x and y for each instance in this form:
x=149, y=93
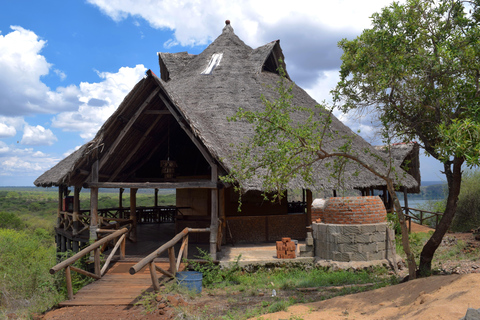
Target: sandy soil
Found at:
x=439, y=297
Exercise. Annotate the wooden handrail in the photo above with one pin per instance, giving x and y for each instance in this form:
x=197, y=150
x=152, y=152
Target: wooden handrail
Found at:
x=174, y=262
x=421, y=219
x=67, y=264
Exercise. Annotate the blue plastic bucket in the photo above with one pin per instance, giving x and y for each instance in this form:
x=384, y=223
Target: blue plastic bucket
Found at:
x=192, y=280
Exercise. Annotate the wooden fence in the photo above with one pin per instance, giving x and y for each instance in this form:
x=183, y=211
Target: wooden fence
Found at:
x=174, y=262
x=118, y=236
x=422, y=216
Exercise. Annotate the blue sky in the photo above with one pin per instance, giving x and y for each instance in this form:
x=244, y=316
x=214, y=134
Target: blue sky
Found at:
x=66, y=65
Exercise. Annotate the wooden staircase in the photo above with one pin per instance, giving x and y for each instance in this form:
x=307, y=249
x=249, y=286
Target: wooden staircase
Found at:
x=116, y=287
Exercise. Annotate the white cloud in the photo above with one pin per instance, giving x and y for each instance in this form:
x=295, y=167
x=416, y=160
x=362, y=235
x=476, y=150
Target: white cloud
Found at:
x=37, y=136
x=60, y=74
x=197, y=22
x=4, y=149
x=309, y=30
x=16, y=162
x=21, y=67
x=98, y=101
x=7, y=131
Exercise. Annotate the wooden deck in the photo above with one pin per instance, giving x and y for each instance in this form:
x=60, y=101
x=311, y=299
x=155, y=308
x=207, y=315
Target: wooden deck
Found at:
x=116, y=287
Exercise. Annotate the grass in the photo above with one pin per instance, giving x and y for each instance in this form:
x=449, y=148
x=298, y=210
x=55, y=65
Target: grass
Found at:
x=242, y=293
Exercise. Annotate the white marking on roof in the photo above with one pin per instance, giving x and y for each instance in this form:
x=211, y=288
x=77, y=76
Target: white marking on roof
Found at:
x=214, y=62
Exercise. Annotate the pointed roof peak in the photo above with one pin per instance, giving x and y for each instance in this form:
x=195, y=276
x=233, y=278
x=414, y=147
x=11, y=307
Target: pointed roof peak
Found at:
x=228, y=27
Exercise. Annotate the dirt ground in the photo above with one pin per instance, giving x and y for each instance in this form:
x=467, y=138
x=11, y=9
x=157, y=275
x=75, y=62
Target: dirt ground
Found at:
x=437, y=297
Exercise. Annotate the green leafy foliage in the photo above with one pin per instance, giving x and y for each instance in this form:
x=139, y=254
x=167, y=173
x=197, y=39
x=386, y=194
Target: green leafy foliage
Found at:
x=468, y=209
x=25, y=283
x=418, y=70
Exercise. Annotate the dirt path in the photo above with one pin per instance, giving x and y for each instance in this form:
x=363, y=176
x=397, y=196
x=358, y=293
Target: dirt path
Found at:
x=439, y=297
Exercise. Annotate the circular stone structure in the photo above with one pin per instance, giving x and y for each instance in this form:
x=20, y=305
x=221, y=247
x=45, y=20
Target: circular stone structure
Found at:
x=352, y=229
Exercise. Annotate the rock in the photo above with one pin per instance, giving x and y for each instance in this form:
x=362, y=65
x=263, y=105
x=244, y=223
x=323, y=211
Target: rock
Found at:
x=173, y=301
x=472, y=314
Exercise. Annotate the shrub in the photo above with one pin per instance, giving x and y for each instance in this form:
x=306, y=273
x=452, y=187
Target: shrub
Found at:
x=25, y=283
x=10, y=221
x=467, y=216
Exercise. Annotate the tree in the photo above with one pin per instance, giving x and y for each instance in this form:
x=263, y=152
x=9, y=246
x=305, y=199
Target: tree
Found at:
x=289, y=139
x=418, y=69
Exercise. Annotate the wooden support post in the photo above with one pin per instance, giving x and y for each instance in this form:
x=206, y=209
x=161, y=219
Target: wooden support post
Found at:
x=405, y=200
x=133, y=214
x=76, y=225
x=93, y=214
x=69, y=244
x=153, y=275
x=68, y=276
x=156, y=197
x=63, y=241
x=60, y=205
x=385, y=198
x=76, y=247
x=96, y=262
x=94, y=204
x=185, y=250
x=214, y=215
x=171, y=258
x=120, y=198
x=223, y=218
x=122, y=248
x=309, y=207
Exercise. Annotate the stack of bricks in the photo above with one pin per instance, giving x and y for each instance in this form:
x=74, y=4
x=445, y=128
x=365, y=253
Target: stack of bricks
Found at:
x=286, y=249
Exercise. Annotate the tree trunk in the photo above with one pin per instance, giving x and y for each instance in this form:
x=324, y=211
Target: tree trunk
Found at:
x=412, y=266
x=454, y=180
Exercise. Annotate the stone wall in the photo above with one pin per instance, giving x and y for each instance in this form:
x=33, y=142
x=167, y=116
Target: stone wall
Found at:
x=361, y=242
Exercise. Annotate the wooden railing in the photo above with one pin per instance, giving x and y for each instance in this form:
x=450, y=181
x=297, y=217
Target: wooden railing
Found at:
x=113, y=218
x=67, y=222
x=118, y=236
x=174, y=262
x=420, y=217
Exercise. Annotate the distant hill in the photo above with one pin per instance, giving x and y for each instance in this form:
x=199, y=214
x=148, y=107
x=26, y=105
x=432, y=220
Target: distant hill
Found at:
x=429, y=183
x=429, y=190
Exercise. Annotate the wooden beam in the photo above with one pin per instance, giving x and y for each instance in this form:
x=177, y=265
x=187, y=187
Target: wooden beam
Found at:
x=60, y=205
x=161, y=112
x=93, y=213
x=187, y=130
x=94, y=203
x=134, y=150
x=308, y=203
x=125, y=129
x=76, y=210
x=133, y=214
x=160, y=185
x=214, y=214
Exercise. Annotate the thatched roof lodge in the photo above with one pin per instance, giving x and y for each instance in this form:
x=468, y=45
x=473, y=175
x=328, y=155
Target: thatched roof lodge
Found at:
x=181, y=116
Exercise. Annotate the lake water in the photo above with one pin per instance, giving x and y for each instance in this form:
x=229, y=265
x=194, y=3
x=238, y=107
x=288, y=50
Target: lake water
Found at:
x=418, y=204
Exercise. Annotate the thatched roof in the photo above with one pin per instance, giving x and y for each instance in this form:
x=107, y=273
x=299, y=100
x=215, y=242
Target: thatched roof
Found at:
x=142, y=130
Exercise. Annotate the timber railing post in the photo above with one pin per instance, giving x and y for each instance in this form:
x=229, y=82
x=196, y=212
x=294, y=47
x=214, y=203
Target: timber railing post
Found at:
x=153, y=275
x=68, y=276
x=171, y=259
x=174, y=263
